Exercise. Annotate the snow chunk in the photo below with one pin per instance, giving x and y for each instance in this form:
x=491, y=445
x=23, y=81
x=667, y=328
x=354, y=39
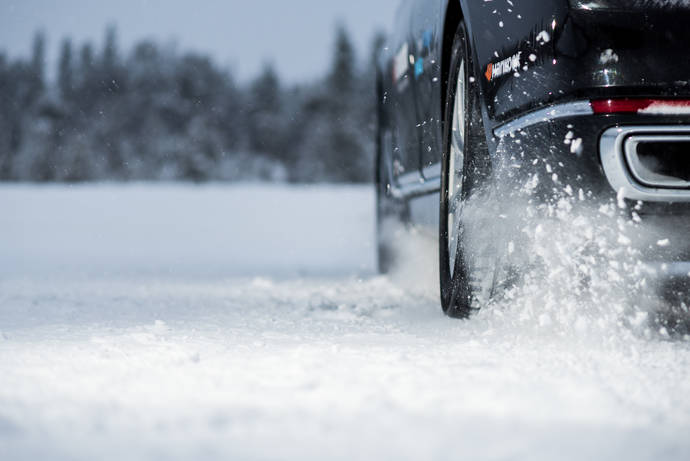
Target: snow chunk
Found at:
x=666, y=108
x=620, y=199
x=543, y=37
x=608, y=56
x=576, y=146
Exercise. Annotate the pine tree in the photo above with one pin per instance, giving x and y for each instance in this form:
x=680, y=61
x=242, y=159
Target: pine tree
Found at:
x=5, y=126
x=265, y=122
x=86, y=62
x=38, y=63
x=343, y=68
x=111, y=80
x=87, y=83
x=66, y=71
x=110, y=48
x=266, y=89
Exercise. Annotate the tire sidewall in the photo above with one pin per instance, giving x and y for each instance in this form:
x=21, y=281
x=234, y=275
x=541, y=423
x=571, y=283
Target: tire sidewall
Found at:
x=456, y=293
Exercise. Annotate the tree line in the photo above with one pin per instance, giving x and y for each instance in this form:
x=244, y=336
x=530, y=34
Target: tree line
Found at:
x=152, y=113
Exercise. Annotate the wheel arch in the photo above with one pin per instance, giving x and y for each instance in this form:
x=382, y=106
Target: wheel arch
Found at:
x=458, y=11
x=452, y=18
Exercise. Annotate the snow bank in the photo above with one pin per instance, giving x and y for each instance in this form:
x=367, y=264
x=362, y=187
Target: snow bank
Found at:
x=221, y=230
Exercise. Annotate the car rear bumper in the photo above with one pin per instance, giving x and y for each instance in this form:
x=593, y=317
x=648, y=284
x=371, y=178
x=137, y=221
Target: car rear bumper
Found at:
x=565, y=147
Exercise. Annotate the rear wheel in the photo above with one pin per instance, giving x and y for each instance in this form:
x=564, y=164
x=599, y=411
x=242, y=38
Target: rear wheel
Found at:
x=384, y=250
x=391, y=212
x=467, y=272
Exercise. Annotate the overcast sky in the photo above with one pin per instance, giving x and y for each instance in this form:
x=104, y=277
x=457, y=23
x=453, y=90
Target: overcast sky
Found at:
x=296, y=35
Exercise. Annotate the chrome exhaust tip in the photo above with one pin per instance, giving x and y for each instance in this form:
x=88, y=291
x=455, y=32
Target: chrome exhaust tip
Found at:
x=649, y=163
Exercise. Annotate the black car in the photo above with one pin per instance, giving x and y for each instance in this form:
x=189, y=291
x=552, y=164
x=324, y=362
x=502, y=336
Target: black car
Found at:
x=595, y=93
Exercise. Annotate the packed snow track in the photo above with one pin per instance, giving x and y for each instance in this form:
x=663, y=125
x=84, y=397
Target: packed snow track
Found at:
x=246, y=322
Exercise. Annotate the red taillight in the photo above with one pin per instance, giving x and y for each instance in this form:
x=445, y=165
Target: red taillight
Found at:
x=611, y=106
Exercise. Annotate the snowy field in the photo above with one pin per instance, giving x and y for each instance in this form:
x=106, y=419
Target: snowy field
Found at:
x=246, y=322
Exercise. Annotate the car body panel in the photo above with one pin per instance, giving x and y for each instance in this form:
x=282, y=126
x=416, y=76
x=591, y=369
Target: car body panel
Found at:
x=567, y=53
x=400, y=99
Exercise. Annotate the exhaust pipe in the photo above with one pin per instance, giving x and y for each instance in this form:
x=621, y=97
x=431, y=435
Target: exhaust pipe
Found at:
x=659, y=161
x=649, y=163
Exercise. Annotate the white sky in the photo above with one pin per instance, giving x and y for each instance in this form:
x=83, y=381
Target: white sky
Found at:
x=296, y=35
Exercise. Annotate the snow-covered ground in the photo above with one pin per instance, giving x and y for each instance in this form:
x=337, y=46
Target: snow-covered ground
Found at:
x=246, y=322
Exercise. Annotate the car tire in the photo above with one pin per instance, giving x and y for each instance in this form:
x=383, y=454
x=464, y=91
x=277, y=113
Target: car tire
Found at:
x=465, y=285
x=384, y=250
x=391, y=212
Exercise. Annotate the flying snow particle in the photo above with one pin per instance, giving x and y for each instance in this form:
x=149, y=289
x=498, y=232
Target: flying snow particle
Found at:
x=545, y=320
x=576, y=146
x=620, y=198
x=623, y=240
x=608, y=56
x=543, y=37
